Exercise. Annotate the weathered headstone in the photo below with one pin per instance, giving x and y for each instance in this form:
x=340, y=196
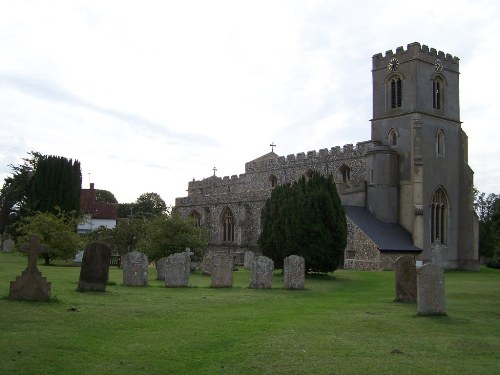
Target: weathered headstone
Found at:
x=8, y=245
x=294, y=272
x=160, y=268
x=177, y=269
x=222, y=270
x=31, y=285
x=95, y=267
x=261, y=276
x=135, y=269
x=438, y=255
x=431, y=293
x=406, y=279
x=248, y=258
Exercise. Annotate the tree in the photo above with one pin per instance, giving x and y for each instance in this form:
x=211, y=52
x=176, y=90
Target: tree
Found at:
x=149, y=205
x=57, y=230
x=488, y=211
x=15, y=191
x=56, y=185
x=165, y=235
x=104, y=196
x=306, y=219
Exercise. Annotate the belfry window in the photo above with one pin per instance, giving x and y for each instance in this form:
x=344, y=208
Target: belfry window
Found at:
x=439, y=217
x=396, y=93
x=437, y=93
x=228, y=226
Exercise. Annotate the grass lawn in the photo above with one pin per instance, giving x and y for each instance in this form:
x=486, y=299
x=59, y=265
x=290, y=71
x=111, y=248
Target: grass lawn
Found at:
x=345, y=324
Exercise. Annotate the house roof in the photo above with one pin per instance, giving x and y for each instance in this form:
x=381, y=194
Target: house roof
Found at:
x=386, y=236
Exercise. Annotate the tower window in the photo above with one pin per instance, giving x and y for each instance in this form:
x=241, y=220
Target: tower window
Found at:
x=437, y=93
x=345, y=171
x=439, y=217
x=440, y=143
x=196, y=217
x=396, y=93
x=228, y=226
x=273, y=181
x=393, y=137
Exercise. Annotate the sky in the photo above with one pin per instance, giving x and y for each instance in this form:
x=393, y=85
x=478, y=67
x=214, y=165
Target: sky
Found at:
x=149, y=95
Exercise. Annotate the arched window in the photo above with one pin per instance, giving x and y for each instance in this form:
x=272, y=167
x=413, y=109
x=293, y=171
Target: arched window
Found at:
x=227, y=226
x=345, y=171
x=309, y=173
x=440, y=143
x=439, y=217
x=196, y=217
x=393, y=137
x=273, y=181
x=396, y=92
x=437, y=93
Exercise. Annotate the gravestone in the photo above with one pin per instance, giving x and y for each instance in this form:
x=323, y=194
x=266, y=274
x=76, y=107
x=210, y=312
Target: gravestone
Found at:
x=177, y=269
x=95, y=267
x=438, y=255
x=406, y=279
x=222, y=270
x=206, y=263
x=31, y=285
x=8, y=244
x=431, y=293
x=261, y=276
x=135, y=269
x=160, y=268
x=247, y=259
x=294, y=272
x=78, y=257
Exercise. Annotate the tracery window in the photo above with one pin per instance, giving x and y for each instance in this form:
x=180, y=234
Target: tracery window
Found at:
x=439, y=217
x=228, y=226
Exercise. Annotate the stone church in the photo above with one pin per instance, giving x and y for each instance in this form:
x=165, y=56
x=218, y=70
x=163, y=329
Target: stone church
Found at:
x=408, y=190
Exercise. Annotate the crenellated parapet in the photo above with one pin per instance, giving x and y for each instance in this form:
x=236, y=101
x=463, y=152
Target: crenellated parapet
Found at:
x=416, y=51
x=311, y=158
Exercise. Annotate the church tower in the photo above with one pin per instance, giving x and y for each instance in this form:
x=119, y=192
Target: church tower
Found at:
x=416, y=119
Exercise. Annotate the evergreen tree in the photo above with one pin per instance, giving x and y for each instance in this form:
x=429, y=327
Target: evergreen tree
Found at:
x=56, y=183
x=306, y=219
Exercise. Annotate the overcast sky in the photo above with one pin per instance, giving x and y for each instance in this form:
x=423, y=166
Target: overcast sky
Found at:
x=148, y=95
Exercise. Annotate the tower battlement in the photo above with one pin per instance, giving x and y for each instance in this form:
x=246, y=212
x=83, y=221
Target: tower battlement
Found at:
x=415, y=51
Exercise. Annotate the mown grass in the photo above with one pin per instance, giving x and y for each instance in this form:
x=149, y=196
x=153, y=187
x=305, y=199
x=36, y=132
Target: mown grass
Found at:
x=347, y=324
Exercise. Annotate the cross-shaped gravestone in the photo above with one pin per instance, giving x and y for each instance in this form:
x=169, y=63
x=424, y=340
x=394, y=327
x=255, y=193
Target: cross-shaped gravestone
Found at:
x=31, y=285
x=33, y=248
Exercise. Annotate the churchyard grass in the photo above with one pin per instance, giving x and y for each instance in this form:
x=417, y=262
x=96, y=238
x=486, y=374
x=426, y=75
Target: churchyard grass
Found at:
x=346, y=324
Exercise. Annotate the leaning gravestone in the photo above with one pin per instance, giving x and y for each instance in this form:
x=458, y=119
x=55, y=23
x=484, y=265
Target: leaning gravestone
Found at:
x=31, y=285
x=177, y=269
x=294, y=272
x=431, y=294
x=95, y=267
x=160, y=268
x=222, y=271
x=261, y=276
x=135, y=269
x=406, y=279
x=247, y=259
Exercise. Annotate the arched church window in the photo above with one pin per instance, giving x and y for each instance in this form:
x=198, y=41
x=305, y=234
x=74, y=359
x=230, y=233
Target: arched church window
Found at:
x=439, y=217
x=228, y=226
x=437, y=93
x=309, y=173
x=396, y=92
x=393, y=137
x=273, y=181
x=345, y=172
x=196, y=217
x=440, y=143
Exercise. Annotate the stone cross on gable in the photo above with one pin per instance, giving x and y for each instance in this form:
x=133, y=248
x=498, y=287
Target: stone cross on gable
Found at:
x=33, y=248
x=215, y=170
x=272, y=146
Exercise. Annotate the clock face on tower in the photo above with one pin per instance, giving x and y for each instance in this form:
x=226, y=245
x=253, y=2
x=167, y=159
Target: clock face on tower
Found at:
x=439, y=65
x=393, y=64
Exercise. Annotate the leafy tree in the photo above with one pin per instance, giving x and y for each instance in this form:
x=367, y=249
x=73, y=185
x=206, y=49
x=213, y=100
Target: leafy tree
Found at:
x=57, y=230
x=56, y=185
x=104, y=196
x=126, y=210
x=149, y=205
x=165, y=235
x=488, y=210
x=126, y=235
x=15, y=191
x=306, y=219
